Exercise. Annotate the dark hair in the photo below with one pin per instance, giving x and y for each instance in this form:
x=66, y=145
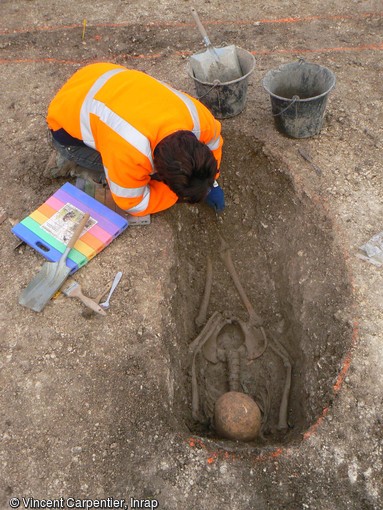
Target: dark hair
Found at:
x=186, y=165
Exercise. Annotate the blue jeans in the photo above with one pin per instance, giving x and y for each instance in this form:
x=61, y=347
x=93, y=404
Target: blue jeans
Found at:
x=81, y=154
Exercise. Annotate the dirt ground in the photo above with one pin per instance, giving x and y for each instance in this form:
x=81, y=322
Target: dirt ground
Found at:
x=96, y=407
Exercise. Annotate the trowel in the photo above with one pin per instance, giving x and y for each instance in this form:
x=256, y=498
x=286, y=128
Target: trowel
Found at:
x=214, y=64
x=51, y=276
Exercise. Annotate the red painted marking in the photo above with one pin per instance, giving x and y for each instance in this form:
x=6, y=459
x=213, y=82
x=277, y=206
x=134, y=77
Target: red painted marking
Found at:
x=316, y=425
x=347, y=362
x=303, y=19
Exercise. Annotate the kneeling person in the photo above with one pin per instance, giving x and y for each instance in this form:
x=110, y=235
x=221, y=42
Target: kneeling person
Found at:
x=156, y=145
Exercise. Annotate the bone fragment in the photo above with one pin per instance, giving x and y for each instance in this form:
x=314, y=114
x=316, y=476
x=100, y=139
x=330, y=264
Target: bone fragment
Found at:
x=225, y=254
x=255, y=339
x=209, y=348
x=211, y=396
x=215, y=319
x=278, y=348
x=213, y=326
x=200, y=320
x=234, y=366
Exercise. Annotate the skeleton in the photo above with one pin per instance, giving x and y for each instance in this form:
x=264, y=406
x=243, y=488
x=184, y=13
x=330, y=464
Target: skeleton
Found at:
x=213, y=344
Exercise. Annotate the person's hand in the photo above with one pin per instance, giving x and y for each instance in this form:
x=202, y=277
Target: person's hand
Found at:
x=216, y=198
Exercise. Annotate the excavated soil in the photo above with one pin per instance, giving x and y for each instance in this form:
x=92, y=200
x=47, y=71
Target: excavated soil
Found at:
x=101, y=407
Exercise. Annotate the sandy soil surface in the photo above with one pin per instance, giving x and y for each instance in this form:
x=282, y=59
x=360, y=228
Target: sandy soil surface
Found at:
x=100, y=407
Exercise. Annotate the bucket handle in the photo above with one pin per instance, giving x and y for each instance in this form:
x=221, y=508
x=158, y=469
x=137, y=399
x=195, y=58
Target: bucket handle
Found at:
x=215, y=84
x=294, y=99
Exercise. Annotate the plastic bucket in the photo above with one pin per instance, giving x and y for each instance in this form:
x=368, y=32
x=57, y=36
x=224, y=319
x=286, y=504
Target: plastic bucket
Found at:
x=298, y=94
x=226, y=99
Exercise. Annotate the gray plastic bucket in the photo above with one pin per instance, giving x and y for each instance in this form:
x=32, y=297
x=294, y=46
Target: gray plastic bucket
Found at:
x=226, y=99
x=298, y=94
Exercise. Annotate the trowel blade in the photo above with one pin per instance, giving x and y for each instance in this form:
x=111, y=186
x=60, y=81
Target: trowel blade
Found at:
x=208, y=68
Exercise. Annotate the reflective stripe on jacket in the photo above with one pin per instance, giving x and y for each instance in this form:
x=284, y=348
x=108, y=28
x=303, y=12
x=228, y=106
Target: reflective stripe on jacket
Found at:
x=124, y=114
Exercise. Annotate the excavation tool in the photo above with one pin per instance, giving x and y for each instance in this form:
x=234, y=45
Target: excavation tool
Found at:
x=87, y=313
x=73, y=289
x=51, y=276
x=116, y=280
x=214, y=64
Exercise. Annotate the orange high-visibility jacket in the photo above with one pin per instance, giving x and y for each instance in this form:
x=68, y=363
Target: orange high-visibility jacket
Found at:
x=124, y=114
